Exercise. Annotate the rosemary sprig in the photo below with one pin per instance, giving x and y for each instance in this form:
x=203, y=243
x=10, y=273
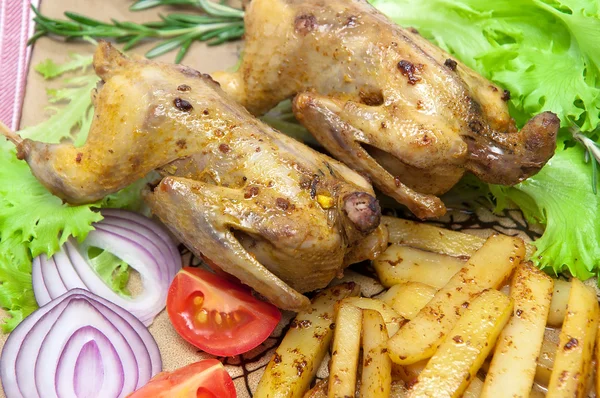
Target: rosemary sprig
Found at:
x=220, y=23
x=592, y=153
x=202, y=4
x=146, y=4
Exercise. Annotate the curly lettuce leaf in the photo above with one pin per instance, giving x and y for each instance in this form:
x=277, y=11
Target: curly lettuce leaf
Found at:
x=16, y=293
x=30, y=211
x=547, y=53
x=50, y=69
x=72, y=120
x=559, y=197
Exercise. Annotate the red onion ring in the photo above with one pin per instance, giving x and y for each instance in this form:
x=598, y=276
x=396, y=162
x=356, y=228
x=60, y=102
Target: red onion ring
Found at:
x=78, y=342
x=135, y=239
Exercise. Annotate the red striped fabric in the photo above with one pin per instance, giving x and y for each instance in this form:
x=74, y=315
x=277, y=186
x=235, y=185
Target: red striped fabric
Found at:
x=16, y=26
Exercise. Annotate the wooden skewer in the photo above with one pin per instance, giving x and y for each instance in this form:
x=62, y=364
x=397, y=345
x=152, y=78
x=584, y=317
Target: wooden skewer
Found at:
x=10, y=135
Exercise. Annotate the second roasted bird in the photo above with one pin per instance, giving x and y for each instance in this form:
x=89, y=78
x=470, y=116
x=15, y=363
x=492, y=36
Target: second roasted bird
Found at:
x=265, y=208
x=384, y=100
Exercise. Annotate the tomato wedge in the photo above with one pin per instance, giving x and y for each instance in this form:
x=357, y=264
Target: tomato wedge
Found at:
x=204, y=379
x=217, y=315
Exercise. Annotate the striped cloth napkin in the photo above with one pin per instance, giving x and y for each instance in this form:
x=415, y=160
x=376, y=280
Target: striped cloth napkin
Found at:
x=16, y=26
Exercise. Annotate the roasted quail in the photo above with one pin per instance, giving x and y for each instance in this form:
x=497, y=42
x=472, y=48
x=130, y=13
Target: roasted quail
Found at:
x=279, y=216
x=384, y=100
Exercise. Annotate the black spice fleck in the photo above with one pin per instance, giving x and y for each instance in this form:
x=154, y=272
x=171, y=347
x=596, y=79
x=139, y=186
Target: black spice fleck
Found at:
x=451, y=64
x=182, y=105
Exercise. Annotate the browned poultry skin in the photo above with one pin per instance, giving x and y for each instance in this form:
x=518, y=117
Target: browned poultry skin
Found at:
x=384, y=100
x=279, y=216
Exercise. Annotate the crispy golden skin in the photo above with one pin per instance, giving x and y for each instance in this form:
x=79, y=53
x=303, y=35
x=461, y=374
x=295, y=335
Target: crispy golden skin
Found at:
x=384, y=100
x=281, y=217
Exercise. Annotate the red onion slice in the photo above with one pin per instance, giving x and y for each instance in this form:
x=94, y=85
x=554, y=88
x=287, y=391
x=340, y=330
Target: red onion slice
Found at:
x=52, y=278
x=145, y=306
x=78, y=342
x=39, y=289
x=89, y=352
x=136, y=240
x=70, y=279
x=156, y=283
x=146, y=227
x=164, y=270
x=77, y=315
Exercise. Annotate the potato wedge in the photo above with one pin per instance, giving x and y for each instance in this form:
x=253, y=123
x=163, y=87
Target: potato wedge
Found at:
x=558, y=306
x=431, y=238
x=318, y=391
x=392, y=319
x=376, y=379
x=488, y=268
x=296, y=360
x=402, y=264
x=408, y=373
x=407, y=299
x=576, y=344
x=474, y=389
x=456, y=362
x=345, y=352
x=514, y=363
x=545, y=362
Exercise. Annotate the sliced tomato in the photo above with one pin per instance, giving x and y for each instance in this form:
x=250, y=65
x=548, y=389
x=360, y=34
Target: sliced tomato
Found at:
x=216, y=315
x=204, y=379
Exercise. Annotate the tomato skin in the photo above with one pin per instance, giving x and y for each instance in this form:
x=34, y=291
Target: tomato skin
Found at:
x=216, y=315
x=204, y=379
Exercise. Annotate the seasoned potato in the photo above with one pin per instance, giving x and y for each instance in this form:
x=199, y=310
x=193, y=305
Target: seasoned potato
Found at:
x=392, y=319
x=513, y=366
x=558, y=306
x=296, y=360
x=431, y=238
x=488, y=268
x=410, y=373
x=318, y=391
x=402, y=264
x=572, y=364
x=345, y=352
x=407, y=299
x=456, y=362
x=474, y=389
x=545, y=362
x=398, y=390
x=376, y=380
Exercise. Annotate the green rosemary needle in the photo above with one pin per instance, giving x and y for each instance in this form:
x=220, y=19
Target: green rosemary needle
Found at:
x=220, y=23
x=202, y=4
